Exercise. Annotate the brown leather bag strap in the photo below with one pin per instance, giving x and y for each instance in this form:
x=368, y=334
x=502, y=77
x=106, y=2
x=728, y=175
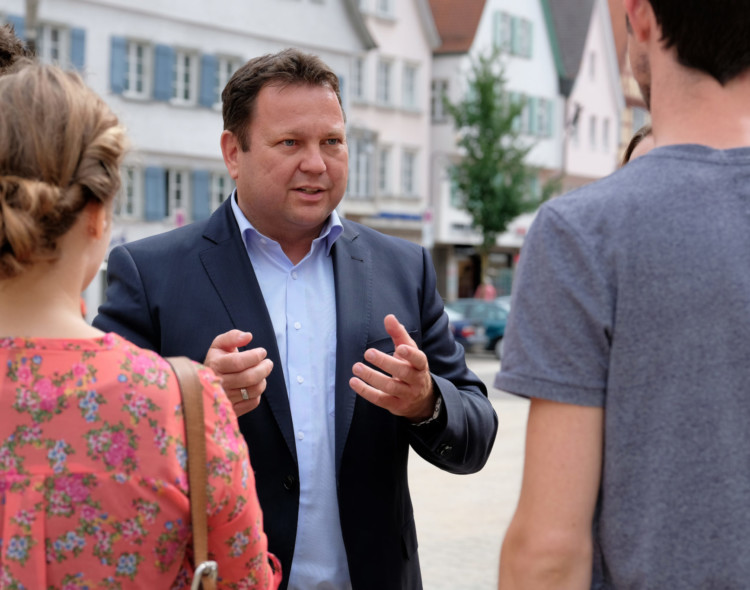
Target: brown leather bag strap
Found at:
x=192, y=406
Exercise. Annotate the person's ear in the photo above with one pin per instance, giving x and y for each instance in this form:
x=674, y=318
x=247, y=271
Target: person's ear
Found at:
x=641, y=18
x=230, y=150
x=96, y=219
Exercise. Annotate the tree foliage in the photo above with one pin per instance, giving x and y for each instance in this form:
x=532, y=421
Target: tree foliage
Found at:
x=492, y=176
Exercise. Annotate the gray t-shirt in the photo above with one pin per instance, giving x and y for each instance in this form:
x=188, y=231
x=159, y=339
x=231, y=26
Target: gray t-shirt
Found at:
x=633, y=294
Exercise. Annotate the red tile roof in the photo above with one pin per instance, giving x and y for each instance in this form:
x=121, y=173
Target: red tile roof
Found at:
x=457, y=22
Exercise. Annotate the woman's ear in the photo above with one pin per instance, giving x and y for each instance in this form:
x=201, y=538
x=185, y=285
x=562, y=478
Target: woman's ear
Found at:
x=96, y=219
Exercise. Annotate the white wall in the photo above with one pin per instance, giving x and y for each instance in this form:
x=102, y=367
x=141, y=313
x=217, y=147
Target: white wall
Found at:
x=402, y=39
x=597, y=90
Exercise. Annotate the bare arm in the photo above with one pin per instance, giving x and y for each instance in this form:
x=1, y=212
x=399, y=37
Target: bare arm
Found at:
x=548, y=543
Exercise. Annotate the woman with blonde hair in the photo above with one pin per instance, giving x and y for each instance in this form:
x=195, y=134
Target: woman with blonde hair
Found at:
x=93, y=485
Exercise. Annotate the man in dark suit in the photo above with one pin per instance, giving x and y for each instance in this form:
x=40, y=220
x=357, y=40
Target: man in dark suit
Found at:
x=330, y=338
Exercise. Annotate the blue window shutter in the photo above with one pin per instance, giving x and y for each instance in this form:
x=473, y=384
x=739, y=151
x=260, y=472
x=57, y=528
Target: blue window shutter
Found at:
x=78, y=48
x=19, y=25
x=531, y=39
x=118, y=65
x=156, y=194
x=201, y=200
x=532, y=116
x=207, y=95
x=550, y=116
x=515, y=37
x=163, y=67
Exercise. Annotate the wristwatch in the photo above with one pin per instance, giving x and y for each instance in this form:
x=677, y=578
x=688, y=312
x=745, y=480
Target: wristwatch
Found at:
x=435, y=413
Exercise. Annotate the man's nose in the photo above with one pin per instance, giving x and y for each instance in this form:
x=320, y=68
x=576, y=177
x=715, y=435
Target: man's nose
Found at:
x=312, y=160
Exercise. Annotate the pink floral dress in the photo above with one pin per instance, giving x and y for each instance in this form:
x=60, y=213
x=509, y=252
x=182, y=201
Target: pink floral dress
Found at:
x=93, y=487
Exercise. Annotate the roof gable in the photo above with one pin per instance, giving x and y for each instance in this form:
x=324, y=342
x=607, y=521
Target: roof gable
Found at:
x=570, y=19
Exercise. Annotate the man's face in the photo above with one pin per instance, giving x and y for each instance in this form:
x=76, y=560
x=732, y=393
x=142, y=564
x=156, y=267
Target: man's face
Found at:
x=294, y=173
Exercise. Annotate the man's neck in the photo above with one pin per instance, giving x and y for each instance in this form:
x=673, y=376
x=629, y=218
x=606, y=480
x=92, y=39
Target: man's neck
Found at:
x=691, y=107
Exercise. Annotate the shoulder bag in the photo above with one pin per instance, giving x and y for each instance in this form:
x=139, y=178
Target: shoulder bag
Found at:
x=206, y=571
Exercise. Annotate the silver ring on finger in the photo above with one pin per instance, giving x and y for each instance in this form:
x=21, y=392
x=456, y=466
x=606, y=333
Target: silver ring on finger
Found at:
x=245, y=396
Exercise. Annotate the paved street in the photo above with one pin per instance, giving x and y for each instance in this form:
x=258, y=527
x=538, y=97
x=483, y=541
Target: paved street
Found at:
x=461, y=519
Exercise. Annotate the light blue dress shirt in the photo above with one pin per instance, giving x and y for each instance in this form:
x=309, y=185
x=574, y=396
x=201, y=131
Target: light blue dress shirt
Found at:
x=301, y=301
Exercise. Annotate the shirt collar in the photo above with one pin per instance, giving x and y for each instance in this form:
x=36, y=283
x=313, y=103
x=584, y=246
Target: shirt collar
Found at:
x=331, y=231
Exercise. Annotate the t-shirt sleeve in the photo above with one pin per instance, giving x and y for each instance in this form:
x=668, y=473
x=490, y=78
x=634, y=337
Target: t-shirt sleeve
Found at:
x=559, y=330
x=235, y=523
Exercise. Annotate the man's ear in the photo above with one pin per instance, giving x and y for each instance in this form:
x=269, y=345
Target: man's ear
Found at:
x=230, y=149
x=641, y=17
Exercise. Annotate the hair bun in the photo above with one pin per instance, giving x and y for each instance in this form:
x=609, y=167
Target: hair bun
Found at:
x=25, y=204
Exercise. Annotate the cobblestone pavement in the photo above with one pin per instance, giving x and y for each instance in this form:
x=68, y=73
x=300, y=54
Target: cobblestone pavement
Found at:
x=461, y=519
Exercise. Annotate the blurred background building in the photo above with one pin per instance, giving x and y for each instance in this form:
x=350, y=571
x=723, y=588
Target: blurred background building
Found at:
x=161, y=65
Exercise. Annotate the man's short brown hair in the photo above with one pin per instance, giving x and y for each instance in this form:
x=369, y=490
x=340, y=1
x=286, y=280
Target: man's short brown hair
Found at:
x=290, y=66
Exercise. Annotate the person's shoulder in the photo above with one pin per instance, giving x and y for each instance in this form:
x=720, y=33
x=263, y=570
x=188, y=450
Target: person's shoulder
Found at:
x=356, y=231
x=173, y=242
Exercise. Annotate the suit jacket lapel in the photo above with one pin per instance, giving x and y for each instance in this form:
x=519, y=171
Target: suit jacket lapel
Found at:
x=232, y=274
x=353, y=278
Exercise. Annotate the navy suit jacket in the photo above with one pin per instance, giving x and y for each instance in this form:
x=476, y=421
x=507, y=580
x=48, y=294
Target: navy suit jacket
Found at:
x=175, y=292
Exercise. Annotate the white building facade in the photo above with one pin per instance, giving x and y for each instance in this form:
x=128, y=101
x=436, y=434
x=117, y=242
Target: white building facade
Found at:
x=161, y=65
x=389, y=119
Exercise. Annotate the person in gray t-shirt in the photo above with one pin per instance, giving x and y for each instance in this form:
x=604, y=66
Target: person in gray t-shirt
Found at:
x=630, y=332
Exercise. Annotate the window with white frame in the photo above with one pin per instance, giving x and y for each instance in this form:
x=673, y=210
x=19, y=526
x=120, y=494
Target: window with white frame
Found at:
x=385, y=82
x=358, y=79
x=130, y=198
x=574, y=132
x=409, y=172
x=53, y=43
x=185, y=77
x=437, y=106
x=542, y=117
x=222, y=186
x=503, y=31
x=409, y=86
x=138, y=70
x=225, y=69
x=360, y=167
x=177, y=199
x=605, y=134
x=592, y=131
x=385, y=166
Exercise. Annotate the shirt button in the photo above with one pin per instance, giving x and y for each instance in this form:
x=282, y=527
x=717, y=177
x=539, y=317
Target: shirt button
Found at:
x=263, y=241
x=300, y=379
x=297, y=325
x=300, y=435
x=294, y=275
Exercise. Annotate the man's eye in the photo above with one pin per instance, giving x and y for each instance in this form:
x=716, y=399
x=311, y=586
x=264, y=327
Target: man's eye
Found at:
x=288, y=142
x=333, y=141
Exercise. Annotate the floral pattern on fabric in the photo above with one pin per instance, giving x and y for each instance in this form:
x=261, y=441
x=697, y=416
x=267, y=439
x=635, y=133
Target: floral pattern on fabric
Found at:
x=93, y=487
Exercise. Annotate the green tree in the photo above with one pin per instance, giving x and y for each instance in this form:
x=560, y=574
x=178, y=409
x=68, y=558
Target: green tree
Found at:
x=492, y=177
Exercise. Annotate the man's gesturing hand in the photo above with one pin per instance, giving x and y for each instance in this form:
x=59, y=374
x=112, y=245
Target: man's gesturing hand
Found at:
x=404, y=388
x=243, y=374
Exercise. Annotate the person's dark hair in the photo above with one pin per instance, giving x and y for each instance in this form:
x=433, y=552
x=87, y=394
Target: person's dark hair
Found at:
x=60, y=149
x=13, y=51
x=290, y=66
x=638, y=136
x=712, y=37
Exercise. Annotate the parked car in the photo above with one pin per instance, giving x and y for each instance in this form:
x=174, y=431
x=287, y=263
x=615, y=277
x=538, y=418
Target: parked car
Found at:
x=465, y=332
x=493, y=315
